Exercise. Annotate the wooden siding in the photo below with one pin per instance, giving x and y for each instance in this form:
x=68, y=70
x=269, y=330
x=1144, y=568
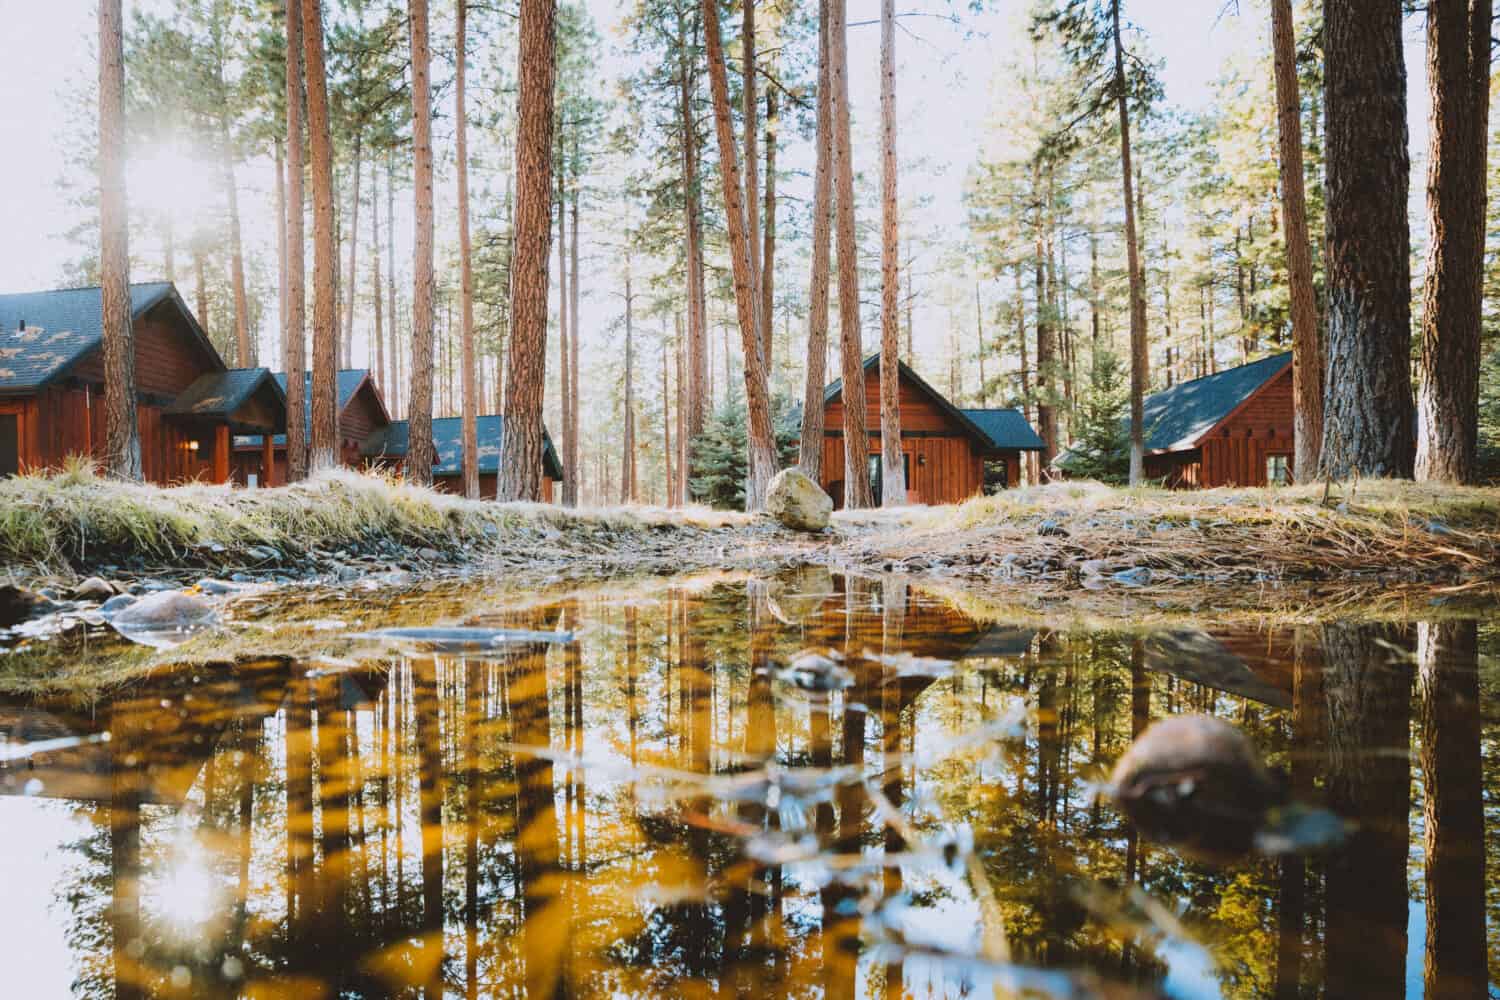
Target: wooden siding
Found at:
x=945, y=463
x=1236, y=451
x=488, y=486
x=168, y=357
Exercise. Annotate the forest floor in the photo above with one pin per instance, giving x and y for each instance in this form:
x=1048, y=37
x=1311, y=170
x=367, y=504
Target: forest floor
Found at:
x=1076, y=537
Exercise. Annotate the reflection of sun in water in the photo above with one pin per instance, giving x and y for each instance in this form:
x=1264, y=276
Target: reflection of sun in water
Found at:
x=170, y=181
x=188, y=892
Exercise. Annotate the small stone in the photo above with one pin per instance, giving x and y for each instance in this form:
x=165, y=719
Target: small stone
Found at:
x=1092, y=567
x=1052, y=529
x=1136, y=576
x=17, y=604
x=115, y=604
x=211, y=586
x=262, y=553
x=168, y=609
x=432, y=555
x=93, y=589
x=1438, y=528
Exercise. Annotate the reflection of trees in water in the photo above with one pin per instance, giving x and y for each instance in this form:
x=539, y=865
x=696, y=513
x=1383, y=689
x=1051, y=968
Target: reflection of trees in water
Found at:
x=416, y=851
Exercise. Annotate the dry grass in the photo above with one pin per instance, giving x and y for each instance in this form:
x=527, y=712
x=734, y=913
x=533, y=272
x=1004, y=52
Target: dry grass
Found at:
x=1382, y=528
x=74, y=519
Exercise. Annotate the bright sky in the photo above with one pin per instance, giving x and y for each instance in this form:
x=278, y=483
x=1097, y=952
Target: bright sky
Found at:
x=945, y=74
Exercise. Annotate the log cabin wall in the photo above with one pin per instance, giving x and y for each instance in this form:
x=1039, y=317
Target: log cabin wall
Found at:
x=60, y=421
x=944, y=463
x=1237, y=450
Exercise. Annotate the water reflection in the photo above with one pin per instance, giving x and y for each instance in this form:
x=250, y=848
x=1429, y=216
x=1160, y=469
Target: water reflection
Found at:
x=658, y=808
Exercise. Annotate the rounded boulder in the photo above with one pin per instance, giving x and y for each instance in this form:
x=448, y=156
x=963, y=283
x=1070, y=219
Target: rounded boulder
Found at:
x=798, y=502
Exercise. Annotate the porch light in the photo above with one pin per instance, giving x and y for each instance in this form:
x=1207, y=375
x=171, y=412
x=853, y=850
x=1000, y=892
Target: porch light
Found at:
x=192, y=446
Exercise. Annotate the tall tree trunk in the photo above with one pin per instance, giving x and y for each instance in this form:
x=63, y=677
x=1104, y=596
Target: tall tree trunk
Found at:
x=893, y=471
x=810, y=458
x=1307, y=351
x=750, y=111
x=1139, y=361
x=627, y=453
x=857, y=492
x=571, y=456
x=1046, y=341
x=761, y=437
x=564, y=358
x=325, y=432
x=377, y=291
x=984, y=385
x=296, y=267
x=1458, y=76
x=1367, y=412
x=122, y=455
x=768, y=243
x=697, y=326
x=465, y=255
x=244, y=351
x=419, y=452
x=280, y=252
x=666, y=427
x=520, y=471
x=1453, y=808
x=350, y=284
x=392, y=387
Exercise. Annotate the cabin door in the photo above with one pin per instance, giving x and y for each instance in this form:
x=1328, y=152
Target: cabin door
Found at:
x=10, y=442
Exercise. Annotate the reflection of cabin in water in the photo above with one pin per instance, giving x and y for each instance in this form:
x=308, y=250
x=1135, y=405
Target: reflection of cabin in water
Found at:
x=950, y=454
x=388, y=446
x=188, y=402
x=361, y=412
x=1232, y=428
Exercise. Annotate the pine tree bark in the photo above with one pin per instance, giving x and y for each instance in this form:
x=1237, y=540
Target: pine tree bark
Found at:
x=1458, y=77
x=347, y=341
x=857, y=492
x=1139, y=360
x=1307, y=352
x=571, y=457
x=419, y=452
x=296, y=265
x=761, y=438
x=564, y=358
x=325, y=321
x=244, y=350
x=1046, y=338
x=697, y=327
x=377, y=291
x=750, y=111
x=465, y=254
x=280, y=251
x=122, y=454
x=521, y=456
x=393, y=386
x=810, y=455
x=1367, y=413
x=768, y=241
x=627, y=452
x=893, y=472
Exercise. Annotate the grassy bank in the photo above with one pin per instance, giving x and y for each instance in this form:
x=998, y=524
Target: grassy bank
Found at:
x=76, y=521
x=1085, y=534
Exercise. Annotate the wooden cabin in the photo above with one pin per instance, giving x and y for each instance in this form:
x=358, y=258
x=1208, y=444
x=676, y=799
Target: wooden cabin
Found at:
x=361, y=412
x=1232, y=428
x=188, y=402
x=388, y=448
x=951, y=454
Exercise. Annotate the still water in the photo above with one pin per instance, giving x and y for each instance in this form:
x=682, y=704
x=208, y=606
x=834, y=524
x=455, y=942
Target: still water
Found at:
x=673, y=803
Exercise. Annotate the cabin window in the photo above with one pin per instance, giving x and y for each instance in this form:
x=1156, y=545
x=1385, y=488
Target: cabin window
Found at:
x=1278, y=469
x=873, y=464
x=10, y=444
x=996, y=476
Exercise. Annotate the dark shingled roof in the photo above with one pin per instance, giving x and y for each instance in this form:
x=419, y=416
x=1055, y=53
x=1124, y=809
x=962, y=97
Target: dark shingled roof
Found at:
x=61, y=327
x=447, y=435
x=220, y=394
x=1006, y=429
x=348, y=381
x=1177, y=417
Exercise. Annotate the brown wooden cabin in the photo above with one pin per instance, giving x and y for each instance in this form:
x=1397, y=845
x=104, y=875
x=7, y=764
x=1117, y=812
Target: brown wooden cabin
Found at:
x=388, y=448
x=951, y=454
x=188, y=403
x=361, y=412
x=1232, y=428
